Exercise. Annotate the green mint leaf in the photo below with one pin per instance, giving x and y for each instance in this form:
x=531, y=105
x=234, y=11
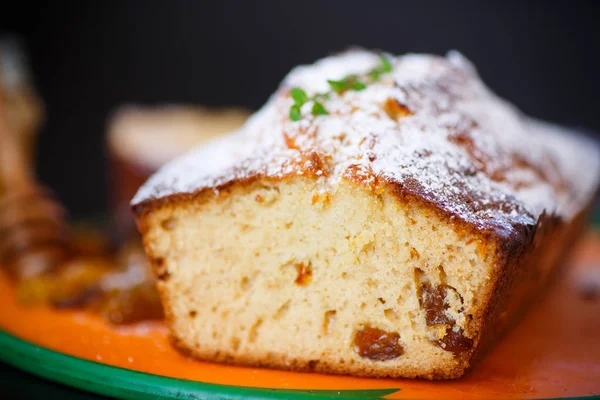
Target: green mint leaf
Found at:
x=386, y=65
x=375, y=74
x=299, y=96
x=358, y=86
x=295, y=113
x=338, y=86
x=323, y=96
x=319, y=109
x=350, y=82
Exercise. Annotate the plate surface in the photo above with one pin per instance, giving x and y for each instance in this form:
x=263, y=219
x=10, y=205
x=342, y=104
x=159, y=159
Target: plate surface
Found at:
x=553, y=353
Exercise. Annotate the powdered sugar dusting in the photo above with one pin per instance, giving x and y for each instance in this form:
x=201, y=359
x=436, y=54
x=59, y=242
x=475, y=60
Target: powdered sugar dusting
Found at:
x=430, y=126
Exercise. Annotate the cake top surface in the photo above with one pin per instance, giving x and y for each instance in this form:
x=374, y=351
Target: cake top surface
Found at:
x=429, y=126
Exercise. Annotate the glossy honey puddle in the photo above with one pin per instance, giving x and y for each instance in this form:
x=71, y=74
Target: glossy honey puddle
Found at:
x=554, y=352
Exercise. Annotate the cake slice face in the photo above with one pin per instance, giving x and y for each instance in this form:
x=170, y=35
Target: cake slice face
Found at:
x=399, y=234
x=279, y=274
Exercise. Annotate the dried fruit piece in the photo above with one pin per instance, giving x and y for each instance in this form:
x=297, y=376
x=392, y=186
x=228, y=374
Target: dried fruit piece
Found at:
x=433, y=300
x=304, y=274
x=396, y=110
x=377, y=344
x=455, y=341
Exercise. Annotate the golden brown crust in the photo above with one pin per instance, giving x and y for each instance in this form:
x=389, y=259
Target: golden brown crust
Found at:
x=527, y=273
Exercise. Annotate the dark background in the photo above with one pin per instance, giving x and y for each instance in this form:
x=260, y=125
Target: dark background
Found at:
x=90, y=57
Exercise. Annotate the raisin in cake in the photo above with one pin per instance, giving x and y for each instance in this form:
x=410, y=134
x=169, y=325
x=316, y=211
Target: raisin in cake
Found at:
x=397, y=235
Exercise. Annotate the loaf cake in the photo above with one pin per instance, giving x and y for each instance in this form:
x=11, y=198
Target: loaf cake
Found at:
x=379, y=216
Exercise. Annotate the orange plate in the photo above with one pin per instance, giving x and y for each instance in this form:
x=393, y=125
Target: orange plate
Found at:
x=554, y=352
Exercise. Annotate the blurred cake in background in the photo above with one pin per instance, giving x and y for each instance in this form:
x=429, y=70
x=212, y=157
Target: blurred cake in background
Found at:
x=141, y=139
